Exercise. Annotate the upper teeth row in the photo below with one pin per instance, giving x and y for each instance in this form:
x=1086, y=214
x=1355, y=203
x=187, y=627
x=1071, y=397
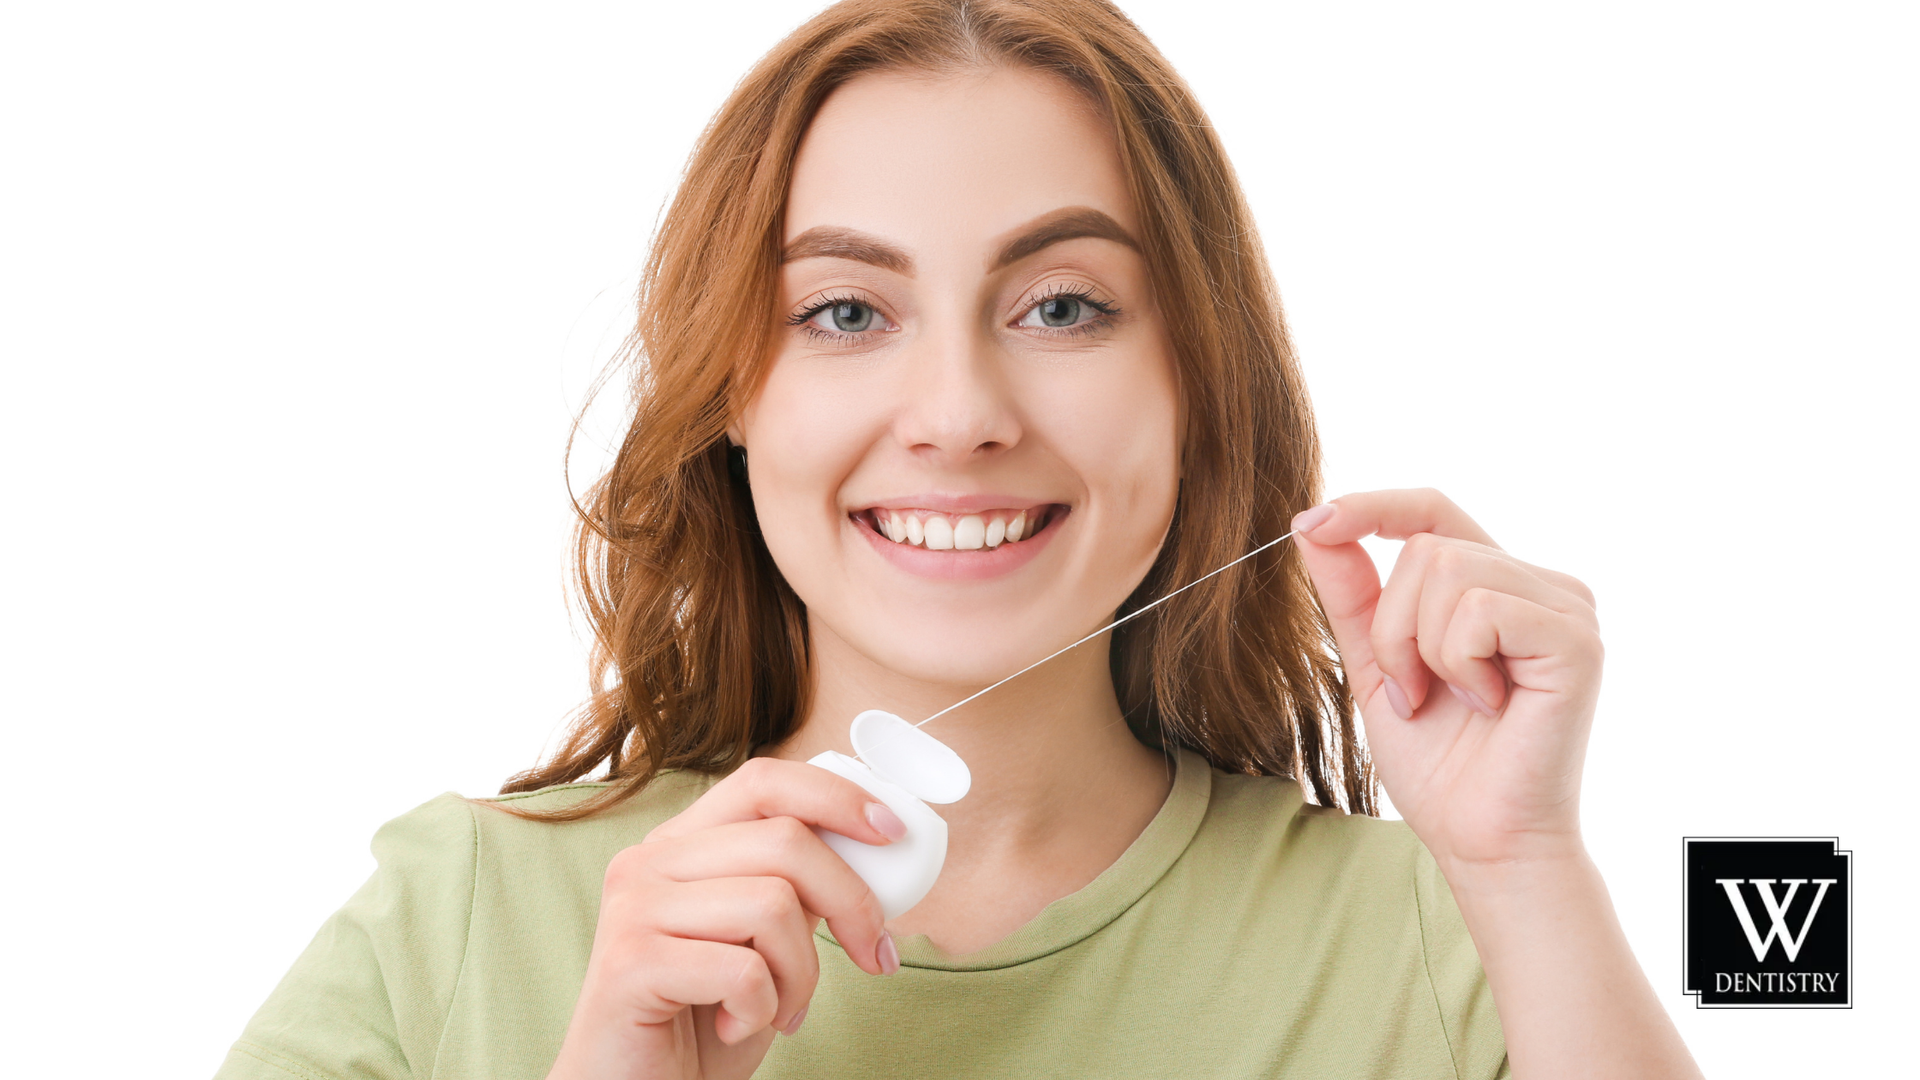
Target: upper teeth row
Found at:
x=937, y=532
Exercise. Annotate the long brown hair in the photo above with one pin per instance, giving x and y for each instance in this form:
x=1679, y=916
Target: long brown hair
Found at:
x=701, y=649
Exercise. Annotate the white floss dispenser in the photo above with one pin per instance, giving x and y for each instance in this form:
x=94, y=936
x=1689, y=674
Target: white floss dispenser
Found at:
x=904, y=768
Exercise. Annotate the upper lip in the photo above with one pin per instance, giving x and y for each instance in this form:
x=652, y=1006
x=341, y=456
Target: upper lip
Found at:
x=958, y=504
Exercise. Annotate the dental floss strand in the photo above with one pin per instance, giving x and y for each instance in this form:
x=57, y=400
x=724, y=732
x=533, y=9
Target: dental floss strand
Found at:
x=1104, y=629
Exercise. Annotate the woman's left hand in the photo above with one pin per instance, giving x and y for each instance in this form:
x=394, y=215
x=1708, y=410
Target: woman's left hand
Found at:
x=1476, y=673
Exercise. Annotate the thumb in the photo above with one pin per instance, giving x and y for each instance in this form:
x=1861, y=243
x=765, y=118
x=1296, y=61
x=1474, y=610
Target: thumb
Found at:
x=1349, y=587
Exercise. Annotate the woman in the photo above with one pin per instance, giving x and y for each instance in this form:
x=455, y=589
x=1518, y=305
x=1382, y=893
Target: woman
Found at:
x=956, y=342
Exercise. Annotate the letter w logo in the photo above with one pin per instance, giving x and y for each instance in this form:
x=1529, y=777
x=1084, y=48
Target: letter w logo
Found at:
x=1776, y=913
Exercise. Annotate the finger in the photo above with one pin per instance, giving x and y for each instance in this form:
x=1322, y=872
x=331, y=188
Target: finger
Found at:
x=785, y=848
x=1428, y=581
x=1492, y=633
x=1567, y=582
x=678, y=972
x=762, y=913
x=1348, y=586
x=770, y=787
x=1395, y=632
x=1395, y=515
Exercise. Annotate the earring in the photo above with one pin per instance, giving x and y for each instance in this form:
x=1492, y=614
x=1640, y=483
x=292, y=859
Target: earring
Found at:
x=737, y=462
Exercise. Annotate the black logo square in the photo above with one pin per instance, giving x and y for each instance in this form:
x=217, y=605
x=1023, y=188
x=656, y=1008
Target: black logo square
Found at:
x=1767, y=922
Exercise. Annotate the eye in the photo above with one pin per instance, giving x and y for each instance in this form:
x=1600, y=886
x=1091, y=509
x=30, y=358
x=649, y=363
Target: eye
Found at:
x=1065, y=311
x=846, y=317
x=841, y=320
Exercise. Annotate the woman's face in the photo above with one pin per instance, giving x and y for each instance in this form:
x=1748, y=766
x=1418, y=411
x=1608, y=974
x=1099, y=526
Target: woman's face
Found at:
x=966, y=448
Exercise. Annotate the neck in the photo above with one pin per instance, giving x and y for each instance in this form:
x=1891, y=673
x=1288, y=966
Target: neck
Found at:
x=1060, y=785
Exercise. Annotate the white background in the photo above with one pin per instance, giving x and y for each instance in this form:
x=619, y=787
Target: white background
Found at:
x=296, y=304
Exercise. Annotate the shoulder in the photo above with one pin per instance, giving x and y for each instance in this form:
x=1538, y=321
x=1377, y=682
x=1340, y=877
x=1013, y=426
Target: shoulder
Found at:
x=451, y=828
x=1381, y=856
x=1271, y=813
x=666, y=795
x=1371, y=868
x=450, y=858
x=467, y=898
x=503, y=833
x=1364, y=888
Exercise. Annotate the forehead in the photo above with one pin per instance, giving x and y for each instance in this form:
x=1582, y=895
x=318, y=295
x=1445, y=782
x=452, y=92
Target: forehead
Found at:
x=950, y=162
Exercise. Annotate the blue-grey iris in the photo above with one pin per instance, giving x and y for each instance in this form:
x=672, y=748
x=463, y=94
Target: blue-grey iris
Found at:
x=852, y=318
x=1060, y=311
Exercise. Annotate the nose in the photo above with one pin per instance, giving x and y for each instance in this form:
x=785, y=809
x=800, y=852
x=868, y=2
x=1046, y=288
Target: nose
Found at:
x=959, y=406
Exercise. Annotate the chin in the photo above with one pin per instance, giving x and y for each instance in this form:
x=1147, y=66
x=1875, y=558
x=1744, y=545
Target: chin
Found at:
x=935, y=658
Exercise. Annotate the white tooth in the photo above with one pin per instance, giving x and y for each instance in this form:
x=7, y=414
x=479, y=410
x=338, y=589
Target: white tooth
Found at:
x=996, y=531
x=970, y=533
x=939, y=533
x=1017, y=527
x=896, y=532
x=914, y=535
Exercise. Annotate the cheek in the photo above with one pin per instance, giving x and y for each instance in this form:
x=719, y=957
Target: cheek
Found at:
x=805, y=432
x=1122, y=433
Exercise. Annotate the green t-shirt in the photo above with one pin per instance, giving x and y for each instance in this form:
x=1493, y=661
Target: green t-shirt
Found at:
x=1244, y=934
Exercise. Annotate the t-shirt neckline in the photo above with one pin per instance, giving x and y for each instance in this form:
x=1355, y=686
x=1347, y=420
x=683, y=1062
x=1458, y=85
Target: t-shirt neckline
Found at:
x=1079, y=915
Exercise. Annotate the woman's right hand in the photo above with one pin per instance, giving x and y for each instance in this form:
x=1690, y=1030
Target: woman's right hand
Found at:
x=704, y=948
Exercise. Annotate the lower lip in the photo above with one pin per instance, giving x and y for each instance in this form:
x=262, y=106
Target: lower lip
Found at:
x=963, y=565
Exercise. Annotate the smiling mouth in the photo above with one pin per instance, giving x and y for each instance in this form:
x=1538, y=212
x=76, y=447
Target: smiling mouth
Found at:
x=936, y=531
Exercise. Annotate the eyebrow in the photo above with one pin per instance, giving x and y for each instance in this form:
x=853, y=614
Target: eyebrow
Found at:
x=834, y=242
x=1067, y=223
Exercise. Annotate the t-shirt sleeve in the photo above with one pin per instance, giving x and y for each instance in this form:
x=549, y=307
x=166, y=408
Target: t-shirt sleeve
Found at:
x=370, y=996
x=1460, y=990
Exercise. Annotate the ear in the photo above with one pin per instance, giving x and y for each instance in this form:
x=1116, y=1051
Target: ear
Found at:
x=734, y=436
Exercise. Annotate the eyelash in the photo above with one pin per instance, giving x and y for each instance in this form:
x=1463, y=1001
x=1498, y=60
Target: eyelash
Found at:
x=1108, y=312
x=804, y=319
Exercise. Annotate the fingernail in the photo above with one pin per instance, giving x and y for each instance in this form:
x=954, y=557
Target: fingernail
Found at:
x=885, y=821
x=1309, y=520
x=1397, y=699
x=887, y=954
x=1471, y=700
x=793, y=1025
